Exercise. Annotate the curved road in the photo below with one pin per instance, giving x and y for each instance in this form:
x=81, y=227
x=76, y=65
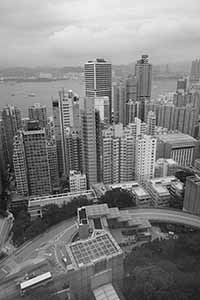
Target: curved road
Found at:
x=165, y=215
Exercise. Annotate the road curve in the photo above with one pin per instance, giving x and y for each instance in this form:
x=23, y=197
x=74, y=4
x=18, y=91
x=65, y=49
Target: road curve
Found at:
x=164, y=215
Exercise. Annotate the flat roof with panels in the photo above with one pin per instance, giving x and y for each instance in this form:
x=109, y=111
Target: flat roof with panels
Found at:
x=88, y=251
x=97, y=210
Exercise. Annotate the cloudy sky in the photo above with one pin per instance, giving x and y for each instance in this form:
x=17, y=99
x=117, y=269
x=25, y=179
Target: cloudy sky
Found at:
x=68, y=32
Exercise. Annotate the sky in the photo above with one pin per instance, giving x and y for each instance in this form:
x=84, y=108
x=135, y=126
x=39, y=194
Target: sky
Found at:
x=69, y=32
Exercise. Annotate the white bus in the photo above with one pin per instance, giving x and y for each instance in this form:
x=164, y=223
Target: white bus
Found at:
x=35, y=281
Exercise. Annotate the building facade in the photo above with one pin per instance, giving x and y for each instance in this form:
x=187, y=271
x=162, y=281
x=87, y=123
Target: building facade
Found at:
x=98, y=79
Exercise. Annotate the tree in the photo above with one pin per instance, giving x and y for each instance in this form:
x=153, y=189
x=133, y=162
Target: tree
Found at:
x=118, y=198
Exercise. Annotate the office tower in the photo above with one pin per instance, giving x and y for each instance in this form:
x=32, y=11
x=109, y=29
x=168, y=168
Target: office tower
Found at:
x=165, y=167
x=145, y=157
x=77, y=181
x=103, y=106
x=89, y=139
x=73, y=149
x=65, y=114
x=31, y=163
x=98, y=79
x=151, y=123
x=182, y=84
x=38, y=112
x=53, y=164
x=96, y=267
x=178, y=146
x=191, y=201
x=143, y=73
x=11, y=122
x=119, y=102
x=131, y=88
x=35, y=144
x=195, y=71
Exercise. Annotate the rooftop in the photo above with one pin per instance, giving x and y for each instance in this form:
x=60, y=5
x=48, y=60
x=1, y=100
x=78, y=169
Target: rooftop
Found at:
x=177, y=138
x=105, y=292
x=161, y=190
x=97, y=210
x=140, y=192
x=95, y=248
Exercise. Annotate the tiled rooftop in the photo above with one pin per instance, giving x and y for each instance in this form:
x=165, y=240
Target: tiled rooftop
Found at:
x=87, y=251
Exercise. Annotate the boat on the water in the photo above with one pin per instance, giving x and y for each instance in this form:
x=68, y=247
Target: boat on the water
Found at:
x=31, y=95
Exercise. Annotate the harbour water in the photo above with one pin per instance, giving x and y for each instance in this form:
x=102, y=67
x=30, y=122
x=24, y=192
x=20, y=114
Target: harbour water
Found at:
x=24, y=94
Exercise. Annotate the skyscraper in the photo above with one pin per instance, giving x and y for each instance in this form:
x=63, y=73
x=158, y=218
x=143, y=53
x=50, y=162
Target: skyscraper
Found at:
x=38, y=112
x=89, y=139
x=131, y=88
x=31, y=163
x=73, y=149
x=98, y=79
x=143, y=73
x=11, y=122
x=145, y=157
x=195, y=71
x=119, y=102
x=65, y=114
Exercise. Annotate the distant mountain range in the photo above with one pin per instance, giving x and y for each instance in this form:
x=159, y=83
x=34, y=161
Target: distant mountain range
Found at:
x=171, y=68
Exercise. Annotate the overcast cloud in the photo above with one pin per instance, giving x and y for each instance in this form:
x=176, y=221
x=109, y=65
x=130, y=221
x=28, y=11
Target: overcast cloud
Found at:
x=68, y=32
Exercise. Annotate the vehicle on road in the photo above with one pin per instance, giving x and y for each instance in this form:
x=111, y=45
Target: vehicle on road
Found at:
x=35, y=282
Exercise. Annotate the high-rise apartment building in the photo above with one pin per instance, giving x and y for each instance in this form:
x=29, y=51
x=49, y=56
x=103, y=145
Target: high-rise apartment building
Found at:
x=11, y=122
x=119, y=103
x=151, y=123
x=127, y=156
x=183, y=118
x=20, y=167
x=38, y=112
x=98, y=79
x=143, y=73
x=77, y=181
x=182, y=84
x=145, y=157
x=53, y=164
x=165, y=167
x=119, y=150
x=73, y=149
x=65, y=114
x=31, y=163
x=89, y=139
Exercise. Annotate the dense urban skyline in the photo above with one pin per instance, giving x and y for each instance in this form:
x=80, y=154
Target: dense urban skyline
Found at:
x=70, y=32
